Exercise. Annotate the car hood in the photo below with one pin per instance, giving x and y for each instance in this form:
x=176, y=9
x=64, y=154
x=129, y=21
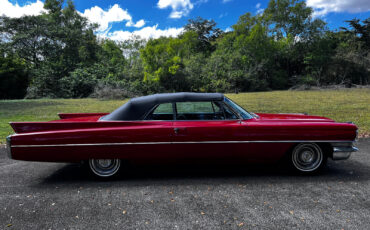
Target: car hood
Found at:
x=291, y=117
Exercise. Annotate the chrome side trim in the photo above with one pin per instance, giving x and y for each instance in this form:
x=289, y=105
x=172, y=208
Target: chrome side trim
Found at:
x=9, y=146
x=293, y=113
x=182, y=142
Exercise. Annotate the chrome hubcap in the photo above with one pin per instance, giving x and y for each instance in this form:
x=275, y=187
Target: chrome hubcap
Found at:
x=104, y=163
x=105, y=167
x=307, y=157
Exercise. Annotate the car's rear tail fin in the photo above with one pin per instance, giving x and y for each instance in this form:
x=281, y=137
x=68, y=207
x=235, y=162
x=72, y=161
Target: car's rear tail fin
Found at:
x=75, y=115
x=31, y=127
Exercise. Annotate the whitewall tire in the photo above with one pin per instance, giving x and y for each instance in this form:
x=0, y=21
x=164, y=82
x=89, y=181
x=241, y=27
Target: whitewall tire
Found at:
x=307, y=158
x=104, y=167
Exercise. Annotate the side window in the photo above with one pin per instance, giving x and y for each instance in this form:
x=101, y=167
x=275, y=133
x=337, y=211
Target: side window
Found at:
x=198, y=111
x=162, y=112
x=194, y=107
x=229, y=114
x=226, y=112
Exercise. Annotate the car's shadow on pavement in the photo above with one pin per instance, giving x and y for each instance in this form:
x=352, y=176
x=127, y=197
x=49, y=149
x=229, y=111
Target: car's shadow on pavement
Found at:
x=212, y=173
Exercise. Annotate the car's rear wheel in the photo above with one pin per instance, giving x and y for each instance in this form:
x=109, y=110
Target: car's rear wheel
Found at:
x=307, y=158
x=105, y=167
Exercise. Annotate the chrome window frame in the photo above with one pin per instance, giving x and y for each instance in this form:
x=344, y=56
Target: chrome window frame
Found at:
x=239, y=117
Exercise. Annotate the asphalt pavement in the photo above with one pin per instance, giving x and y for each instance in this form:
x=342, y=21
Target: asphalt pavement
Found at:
x=186, y=196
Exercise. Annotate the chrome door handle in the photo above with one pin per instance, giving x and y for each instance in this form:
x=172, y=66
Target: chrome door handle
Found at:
x=176, y=130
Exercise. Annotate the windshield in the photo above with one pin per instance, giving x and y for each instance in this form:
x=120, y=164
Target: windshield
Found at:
x=244, y=114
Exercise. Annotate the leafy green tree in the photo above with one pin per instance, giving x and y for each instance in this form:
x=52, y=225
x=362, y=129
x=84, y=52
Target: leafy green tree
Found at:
x=291, y=21
x=13, y=77
x=361, y=31
x=70, y=43
x=26, y=37
x=317, y=60
x=163, y=64
x=134, y=69
x=352, y=58
x=291, y=18
x=206, y=32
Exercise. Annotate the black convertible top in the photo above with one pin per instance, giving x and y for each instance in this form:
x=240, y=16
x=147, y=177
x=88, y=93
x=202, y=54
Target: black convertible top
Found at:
x=137, y=108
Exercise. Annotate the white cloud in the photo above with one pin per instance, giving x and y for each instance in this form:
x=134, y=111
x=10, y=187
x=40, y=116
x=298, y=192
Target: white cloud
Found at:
x=323, y=7
x=145, y=33
x=104, y=18
x=15, y=11
x=259, y=9
x=95, y=14
x=200, y=2
x=223, y=15
x=226, y=1
x=180, y=8
x=138, y=24
x=228, y=29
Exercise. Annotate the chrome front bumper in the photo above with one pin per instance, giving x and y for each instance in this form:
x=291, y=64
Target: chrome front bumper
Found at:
x=343, y=150
x=8, y=146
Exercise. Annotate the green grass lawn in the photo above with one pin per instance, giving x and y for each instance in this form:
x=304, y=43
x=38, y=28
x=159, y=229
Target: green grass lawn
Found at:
x=340, y=105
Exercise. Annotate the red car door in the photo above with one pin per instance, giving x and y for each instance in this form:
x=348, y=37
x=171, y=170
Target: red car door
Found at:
x=201, y=130
x=198, y=139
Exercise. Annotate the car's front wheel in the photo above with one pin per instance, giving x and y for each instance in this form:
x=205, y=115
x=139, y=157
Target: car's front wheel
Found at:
x=105, y=167
x=307, y=158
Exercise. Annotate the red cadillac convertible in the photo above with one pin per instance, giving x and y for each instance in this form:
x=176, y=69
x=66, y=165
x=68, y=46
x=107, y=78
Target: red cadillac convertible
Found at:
x=182, y=125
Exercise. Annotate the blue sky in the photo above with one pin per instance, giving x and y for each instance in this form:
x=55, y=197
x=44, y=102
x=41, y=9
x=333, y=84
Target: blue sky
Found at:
x=119, y=19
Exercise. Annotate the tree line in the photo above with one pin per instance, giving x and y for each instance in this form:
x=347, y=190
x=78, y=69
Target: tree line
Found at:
x=58, y=55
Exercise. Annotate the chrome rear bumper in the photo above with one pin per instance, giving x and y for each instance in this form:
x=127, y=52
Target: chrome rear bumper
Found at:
x=8, y=146
x=343, y=150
